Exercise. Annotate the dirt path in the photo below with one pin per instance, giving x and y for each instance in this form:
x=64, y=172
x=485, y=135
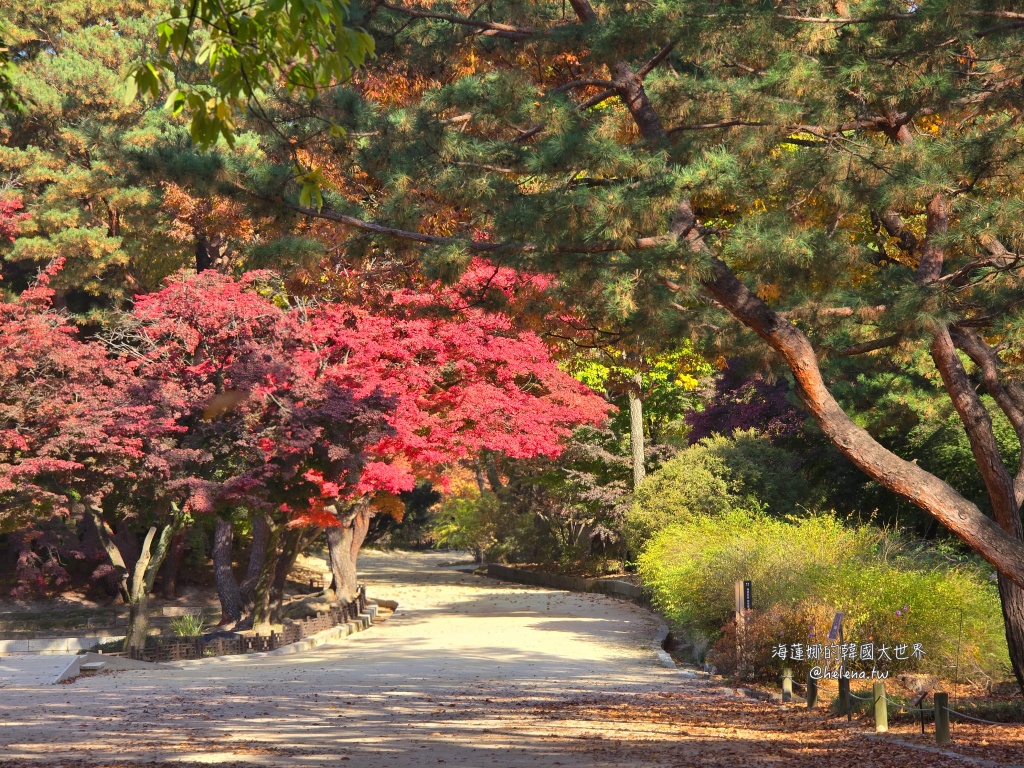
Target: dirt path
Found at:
x=468, y=672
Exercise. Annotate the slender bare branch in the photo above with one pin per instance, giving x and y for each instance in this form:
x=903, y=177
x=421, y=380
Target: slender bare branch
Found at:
x=581, y=84
x=868, y=346
x=639, y=243
x=490, y=28
x=728, y=123
x=659, y=57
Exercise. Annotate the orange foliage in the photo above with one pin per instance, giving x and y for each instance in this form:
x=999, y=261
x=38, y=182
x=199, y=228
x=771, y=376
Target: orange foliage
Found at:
x=211, y=216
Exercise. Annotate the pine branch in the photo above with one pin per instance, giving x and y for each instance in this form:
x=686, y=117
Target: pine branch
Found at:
x=658, y=58
x=641, y=243
x=868, y=346
x=728, y=123
x=1009, y=397
x=845, y=20
x=581, y=84
x=488, y=28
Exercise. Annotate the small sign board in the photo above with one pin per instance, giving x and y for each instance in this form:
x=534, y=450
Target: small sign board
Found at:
x=837, y=627
x=744, y=596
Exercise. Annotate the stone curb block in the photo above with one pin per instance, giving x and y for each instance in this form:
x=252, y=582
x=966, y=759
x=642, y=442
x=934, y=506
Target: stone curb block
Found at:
x=110, y=664
x=44, y=646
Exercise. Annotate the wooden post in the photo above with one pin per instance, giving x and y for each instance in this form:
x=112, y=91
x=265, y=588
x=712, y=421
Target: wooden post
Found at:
x=881, y=708
x=787, y=684
x=738, y=593
x=844, y=697
x=812, y=691
x=941, y=718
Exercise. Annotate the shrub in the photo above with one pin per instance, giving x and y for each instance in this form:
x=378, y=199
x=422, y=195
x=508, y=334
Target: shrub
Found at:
x=472, y=523
x=189, y=625
x=803, y=570
x=711, y=477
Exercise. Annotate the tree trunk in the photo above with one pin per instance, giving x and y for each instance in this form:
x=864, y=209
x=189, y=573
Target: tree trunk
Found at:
x=285, y=561
x=1012, y=598
x=265, y=582
x=147, y=566
x=493, y=478
x=257, y=554
x=138, y=623
x=112, y=550
x=636, y=429
x=173, y=566
x=343, y=545
x=227, y=586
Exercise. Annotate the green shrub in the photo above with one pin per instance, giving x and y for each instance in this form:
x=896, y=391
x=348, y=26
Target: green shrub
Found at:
x=189, y=625
x=711, y=477
x=473, y=523
x=803, y=570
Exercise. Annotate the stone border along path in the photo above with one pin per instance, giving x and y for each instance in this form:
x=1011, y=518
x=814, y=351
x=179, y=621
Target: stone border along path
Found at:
x=469, y=671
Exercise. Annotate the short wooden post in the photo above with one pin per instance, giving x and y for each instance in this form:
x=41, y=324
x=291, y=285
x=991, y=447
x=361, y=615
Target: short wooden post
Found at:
x=881, y=708
x=812, y=691
x=941, y=718
x=844, y=697
x=787, y=684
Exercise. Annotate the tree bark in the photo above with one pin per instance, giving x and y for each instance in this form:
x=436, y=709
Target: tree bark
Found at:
x=265, y=582
x=173, y=566
x=636, y=429
x=343, y=544
x=146, y=569
x=1012, y=598
x=285, y=561
x=493, y=478
x=227, y=586
x=257, y=554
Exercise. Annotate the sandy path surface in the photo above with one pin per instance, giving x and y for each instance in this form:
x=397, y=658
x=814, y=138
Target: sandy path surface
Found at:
x=468, y=672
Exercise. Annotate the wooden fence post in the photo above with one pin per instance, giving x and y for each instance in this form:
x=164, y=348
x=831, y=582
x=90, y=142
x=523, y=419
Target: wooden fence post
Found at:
x=881, y=708
x=941, y=718
x=812, y=691
x=844, y=697
x=787, y=684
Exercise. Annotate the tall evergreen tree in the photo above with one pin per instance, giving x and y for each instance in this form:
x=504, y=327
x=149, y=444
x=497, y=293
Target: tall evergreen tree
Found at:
x=840, y=178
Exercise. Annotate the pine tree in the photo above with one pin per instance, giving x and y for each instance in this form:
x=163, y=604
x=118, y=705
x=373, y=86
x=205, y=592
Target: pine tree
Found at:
x=841, y=178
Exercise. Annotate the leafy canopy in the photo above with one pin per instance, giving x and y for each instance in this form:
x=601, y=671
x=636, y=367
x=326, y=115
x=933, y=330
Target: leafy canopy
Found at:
x=247, y=50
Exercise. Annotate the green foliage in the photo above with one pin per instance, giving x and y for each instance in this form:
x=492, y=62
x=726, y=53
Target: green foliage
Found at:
x=248, y=50
x=668, y=384
x=712, y=477
x=119, y=191
x=805, y=569
x=471, y=523
x=189, y=625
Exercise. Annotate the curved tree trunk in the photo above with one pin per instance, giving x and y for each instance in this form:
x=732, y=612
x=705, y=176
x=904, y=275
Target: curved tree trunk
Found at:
x=227, y=586
x=902, y=477
x=343, y=545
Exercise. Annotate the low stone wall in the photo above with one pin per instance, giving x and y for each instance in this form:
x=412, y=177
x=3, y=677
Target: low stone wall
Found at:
x=53, y=644
x=571, y=583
